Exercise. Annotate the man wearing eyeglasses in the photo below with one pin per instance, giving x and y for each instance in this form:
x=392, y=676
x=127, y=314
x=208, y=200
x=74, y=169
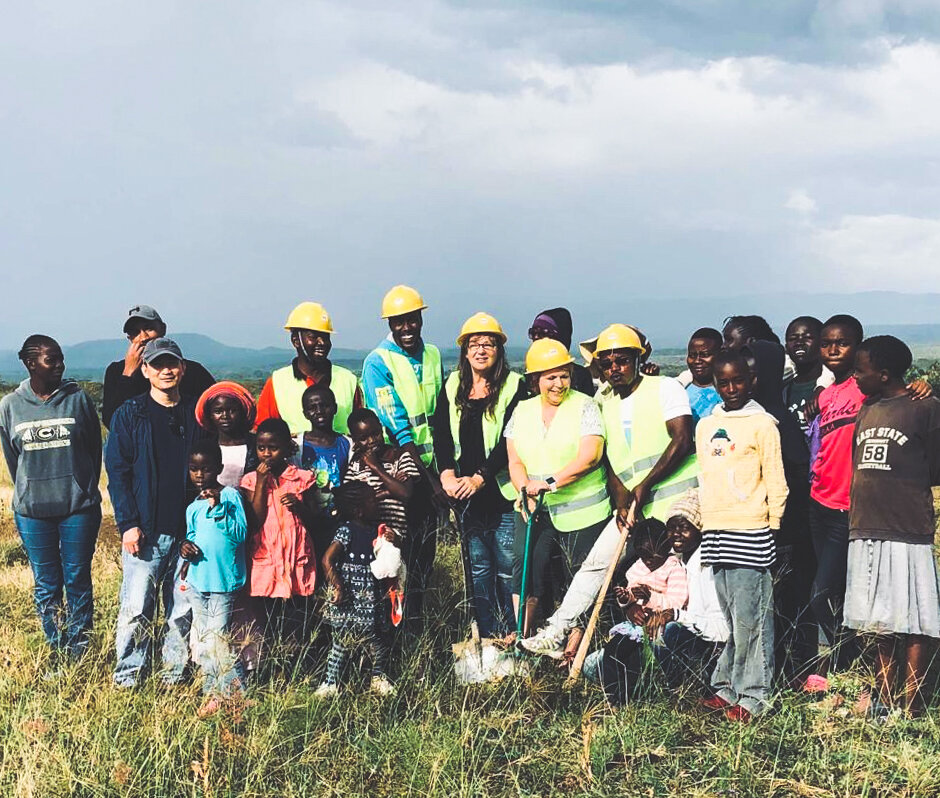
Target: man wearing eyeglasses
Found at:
x=148, y=478
x=124, y=378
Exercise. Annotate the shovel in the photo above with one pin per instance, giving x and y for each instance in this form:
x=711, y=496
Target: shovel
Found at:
x=479, y=659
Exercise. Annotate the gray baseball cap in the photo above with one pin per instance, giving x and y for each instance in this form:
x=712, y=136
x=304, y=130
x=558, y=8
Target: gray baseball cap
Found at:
x=144, y=312
x=157, y=347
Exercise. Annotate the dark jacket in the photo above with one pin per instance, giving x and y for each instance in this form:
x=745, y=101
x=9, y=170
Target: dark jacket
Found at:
x=768, y=359
x=131, y=465
x=53, y=450
x=118, y=389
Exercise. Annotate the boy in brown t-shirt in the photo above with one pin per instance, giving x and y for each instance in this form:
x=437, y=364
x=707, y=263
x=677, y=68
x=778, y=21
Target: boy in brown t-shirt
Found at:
x=892, y=589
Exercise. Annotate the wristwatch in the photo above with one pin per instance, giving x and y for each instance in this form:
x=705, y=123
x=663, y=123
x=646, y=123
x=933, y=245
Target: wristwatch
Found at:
x=552, y=485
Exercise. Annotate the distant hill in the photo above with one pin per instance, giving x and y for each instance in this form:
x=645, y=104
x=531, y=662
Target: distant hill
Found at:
x=89, y=359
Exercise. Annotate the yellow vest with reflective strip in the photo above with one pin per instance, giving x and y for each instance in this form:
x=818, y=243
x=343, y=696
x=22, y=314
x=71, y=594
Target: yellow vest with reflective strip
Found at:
x=583, y=502
x=419, y=400
x=289, y=391
x=649, y=439
x=492, y=425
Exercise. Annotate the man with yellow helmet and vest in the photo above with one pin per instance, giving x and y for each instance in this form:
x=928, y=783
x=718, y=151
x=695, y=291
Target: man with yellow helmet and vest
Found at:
x=477, y=400
x=310, y=330
x=650, y=461
x=555, y=443
x=402, y=378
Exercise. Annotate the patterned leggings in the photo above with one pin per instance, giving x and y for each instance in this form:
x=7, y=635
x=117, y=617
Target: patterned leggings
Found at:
x=344, y=645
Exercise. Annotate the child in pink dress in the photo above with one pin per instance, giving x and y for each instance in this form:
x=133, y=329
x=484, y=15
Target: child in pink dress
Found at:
x=281, y=557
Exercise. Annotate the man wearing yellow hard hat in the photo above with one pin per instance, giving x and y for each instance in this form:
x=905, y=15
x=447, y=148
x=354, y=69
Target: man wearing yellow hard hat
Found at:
x=310, y=330
x=402, y=378
x=648, y=433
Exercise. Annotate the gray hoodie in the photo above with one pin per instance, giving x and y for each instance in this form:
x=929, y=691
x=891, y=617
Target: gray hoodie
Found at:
x=53, y=450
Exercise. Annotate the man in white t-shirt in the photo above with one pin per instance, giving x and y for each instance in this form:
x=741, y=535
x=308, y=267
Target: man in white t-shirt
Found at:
x=650, y=462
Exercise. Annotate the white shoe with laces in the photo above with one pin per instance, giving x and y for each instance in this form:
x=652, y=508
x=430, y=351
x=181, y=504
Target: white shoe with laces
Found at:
x=546, y=642
x=382, y=686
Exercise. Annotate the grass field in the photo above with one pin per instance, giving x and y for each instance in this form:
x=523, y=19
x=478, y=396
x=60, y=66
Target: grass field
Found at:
x=79, y=736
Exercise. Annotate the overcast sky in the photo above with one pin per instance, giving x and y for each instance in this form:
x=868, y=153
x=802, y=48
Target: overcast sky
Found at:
x=225, y=160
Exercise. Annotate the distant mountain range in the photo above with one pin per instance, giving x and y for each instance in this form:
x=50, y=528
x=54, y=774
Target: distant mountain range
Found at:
x=88, y=359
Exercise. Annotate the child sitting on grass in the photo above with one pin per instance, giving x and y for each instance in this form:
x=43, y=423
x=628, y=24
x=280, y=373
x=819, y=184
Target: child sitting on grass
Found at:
x=892, y=590
x=743, y=497
x=655, y=583
x=282, y=555
x=358, y=613
x=214, y=570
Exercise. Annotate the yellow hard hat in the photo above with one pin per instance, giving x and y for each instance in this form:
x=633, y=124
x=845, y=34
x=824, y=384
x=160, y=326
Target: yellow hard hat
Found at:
x=478, y=324
x=309, y=316
x=400, y=300
x=546, y=354
x=618, y=336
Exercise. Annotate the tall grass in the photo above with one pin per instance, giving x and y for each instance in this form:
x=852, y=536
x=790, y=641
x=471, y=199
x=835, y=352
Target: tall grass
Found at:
x=77, y=735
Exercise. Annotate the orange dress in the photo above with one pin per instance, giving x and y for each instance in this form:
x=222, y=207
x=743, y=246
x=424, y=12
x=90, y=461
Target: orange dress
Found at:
x=282, y=561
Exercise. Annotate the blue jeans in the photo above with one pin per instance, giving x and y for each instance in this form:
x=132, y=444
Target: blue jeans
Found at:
x=212, y=620
x=490, y=550
x=152, y=573
x=60, y=551
x=744, y=672
x=685, y=658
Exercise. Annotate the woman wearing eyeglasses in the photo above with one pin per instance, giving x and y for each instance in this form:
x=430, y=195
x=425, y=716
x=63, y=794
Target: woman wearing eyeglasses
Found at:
x=474, y=405
x=555, y=323
x=51, y=441
x=555, y=443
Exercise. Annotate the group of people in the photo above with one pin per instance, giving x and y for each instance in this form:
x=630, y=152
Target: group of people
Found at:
x=773, y=493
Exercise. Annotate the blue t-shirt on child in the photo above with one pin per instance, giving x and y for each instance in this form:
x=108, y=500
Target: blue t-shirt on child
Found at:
x=220, y=534
x=702, y=400
x=329, y=460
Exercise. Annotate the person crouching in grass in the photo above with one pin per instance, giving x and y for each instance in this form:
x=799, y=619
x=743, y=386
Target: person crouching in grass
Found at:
x=214, y=570
x=892, y=590
x=743, y=497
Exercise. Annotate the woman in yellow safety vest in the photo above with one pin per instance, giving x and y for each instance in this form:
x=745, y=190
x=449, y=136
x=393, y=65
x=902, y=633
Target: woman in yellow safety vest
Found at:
x=474, y=405
x=555, y=443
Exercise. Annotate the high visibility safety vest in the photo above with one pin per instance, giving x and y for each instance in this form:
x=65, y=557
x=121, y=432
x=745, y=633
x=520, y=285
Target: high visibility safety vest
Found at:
x=492, y=425
x=289, y=391
x=418, y=399
x=583, y=502
x=631, y=462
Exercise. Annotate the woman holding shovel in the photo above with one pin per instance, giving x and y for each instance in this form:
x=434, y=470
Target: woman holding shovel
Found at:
x=555, y=443
x=476, y=401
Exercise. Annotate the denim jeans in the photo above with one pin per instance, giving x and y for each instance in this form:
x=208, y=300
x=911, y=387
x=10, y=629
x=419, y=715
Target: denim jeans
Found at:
x=686, y=659
x=60, y=551
x=745, y=670
x=212, y=619
x=830, y=531
x=490, y=544
x=150, y=574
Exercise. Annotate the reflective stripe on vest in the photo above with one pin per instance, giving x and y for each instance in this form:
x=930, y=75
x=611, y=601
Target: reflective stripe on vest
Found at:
x=631, y=462
x=289, y=391
x=418, y=399
x=583, y=502
x=492, y=425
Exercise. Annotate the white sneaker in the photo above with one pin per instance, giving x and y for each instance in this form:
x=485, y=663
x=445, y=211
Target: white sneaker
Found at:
x=326, y=690
x=382, y=686
x=546, y=642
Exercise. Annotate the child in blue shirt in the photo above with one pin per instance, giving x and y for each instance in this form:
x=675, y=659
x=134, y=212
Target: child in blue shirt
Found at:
x=214, y=571
x=704, y=344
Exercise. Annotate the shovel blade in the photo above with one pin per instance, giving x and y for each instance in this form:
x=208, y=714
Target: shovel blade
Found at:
x=486, y=663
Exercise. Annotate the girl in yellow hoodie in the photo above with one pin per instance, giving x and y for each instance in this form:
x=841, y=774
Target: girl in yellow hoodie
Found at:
x=743, y=496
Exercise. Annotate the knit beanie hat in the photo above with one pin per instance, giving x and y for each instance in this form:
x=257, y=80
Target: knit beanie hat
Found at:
x=225, y=388
x=687, y=506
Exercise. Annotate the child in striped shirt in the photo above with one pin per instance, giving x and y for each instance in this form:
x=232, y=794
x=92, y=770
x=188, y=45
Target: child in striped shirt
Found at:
x=743, y=496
